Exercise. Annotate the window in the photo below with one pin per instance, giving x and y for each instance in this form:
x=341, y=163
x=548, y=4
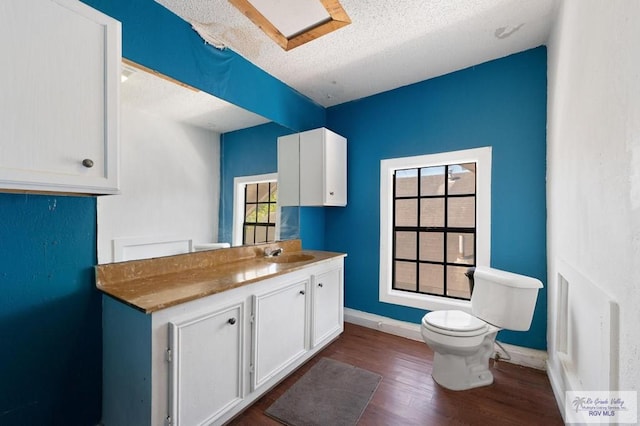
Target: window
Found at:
x=259, y=213
x=255, y=214
x=434, y=229
x=435, y=224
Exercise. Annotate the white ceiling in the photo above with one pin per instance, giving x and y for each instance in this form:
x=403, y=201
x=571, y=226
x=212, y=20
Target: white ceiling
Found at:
x=389, y=44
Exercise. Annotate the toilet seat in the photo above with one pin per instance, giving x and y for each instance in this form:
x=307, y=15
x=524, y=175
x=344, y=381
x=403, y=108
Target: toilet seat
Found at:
x=454, y=323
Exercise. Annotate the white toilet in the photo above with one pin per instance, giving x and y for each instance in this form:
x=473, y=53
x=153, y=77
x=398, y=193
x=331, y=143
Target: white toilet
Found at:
x=462, y=343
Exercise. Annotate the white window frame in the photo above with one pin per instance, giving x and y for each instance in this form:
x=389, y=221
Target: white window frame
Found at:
x=482, y=158
x=239, y=184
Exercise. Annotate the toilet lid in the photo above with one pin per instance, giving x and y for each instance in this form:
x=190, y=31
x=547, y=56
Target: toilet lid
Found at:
x=457, y=321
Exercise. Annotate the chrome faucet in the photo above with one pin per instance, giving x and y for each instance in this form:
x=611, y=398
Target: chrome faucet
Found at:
x=268, y=252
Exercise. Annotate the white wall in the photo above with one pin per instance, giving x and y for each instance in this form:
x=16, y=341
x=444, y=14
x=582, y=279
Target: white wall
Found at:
x=170, y=174
x=593, y=195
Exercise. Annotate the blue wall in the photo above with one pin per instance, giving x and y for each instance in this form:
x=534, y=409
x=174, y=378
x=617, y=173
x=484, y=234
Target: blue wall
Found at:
x=50, y=312
x=501, y=103
x=312, y=227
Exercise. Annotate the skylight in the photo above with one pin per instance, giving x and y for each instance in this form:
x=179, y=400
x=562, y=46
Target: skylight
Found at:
x=291, y=23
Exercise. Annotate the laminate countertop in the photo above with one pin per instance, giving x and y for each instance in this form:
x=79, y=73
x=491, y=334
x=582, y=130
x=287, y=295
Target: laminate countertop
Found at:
x=153, y=284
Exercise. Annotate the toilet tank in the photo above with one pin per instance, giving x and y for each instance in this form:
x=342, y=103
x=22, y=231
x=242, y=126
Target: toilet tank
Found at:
x=504, y=299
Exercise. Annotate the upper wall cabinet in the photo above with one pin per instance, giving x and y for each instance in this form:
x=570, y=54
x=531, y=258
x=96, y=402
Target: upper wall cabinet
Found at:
x=312, y=169
x=60, y=85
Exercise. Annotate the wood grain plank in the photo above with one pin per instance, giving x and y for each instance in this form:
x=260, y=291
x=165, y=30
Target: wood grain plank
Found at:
x=408, y=395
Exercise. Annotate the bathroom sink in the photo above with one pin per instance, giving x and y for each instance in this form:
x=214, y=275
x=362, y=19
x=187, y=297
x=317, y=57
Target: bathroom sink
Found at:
x=289, y=258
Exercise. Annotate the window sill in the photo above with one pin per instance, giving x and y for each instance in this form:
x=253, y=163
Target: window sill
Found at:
x=424, y=301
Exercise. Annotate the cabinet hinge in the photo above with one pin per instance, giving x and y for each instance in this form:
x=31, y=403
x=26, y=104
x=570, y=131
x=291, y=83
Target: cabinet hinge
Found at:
x=168, y=421
x=168, y=356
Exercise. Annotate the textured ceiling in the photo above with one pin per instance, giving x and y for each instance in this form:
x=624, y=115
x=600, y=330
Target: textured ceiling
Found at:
x=389, y=44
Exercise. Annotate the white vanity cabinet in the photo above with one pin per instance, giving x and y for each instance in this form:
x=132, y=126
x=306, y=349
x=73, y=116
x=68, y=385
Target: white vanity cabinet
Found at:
x=202, y=362
x=60, y=85
x=312, y=169
x=182, y=365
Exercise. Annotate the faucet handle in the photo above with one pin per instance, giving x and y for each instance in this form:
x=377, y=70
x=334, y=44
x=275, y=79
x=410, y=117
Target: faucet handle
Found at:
x=273, y=252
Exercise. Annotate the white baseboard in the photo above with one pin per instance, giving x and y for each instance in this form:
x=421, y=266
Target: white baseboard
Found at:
x=558, y=386
x=385, y=324
x=519, y=355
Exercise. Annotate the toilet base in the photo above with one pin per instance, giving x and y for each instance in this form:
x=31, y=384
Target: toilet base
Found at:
x=456, y=372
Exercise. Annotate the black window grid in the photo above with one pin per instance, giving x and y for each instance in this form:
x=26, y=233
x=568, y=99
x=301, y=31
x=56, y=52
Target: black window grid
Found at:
x=269, y=203
x=443, y=230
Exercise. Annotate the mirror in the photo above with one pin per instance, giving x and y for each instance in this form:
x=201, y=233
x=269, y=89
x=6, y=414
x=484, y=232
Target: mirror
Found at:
x=170, y=99
x=173, y=198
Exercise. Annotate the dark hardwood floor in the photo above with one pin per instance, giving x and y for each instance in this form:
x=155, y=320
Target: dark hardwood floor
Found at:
x=408, y=395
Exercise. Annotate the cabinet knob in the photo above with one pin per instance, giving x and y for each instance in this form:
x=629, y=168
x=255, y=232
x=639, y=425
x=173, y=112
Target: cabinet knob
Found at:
x=231, y=321
x=88, y=163
x=331, y=193
x=301, y=291
x=320, y=285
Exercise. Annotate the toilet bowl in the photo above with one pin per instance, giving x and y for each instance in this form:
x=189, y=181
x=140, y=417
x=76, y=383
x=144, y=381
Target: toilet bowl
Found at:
x=463, y=343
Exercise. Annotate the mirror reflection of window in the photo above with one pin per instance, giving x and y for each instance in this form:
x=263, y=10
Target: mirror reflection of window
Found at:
x=260, y=212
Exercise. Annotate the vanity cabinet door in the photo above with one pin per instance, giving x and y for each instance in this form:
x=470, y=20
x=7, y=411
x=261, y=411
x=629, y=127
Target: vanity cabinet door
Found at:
x=327, y=307
x=279, y=330
x=289, y=170
x=206, y=365
x=60, y=85
x=323, y=168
